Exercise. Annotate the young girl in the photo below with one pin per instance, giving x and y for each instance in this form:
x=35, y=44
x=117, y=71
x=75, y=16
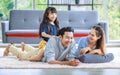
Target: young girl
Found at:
x=49, y=27
x=94, y=43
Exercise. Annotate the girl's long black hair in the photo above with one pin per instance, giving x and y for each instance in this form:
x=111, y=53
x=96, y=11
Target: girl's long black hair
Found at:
x=45, y=21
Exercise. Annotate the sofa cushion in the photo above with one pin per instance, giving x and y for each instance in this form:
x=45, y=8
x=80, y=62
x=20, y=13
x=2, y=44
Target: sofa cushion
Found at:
x=93, y=58
x=78, y=19
x=25, y=19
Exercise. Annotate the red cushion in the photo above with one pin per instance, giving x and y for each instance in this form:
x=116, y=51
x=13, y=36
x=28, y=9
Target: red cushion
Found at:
x=80, y=34
x=27, y=35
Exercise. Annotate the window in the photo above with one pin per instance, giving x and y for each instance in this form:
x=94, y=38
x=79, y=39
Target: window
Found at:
x=24, y=4
x=113, y=17
x=41, y=4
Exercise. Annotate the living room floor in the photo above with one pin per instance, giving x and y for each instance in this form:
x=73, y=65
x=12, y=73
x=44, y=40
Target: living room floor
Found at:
x=59, y=71
x=114, y=50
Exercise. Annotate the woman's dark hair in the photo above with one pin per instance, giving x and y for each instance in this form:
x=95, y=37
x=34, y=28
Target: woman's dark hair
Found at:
x=65, y=29
x=100, y=44
x=45, y=20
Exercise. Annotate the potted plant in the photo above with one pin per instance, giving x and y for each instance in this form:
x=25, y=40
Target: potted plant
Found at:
x=1, y=15
x=0, y=18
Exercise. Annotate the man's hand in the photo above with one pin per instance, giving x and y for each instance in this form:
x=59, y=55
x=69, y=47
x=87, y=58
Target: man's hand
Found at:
x=75, y=62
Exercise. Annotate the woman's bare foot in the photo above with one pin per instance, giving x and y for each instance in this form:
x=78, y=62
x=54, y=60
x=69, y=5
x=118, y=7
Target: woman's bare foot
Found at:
x=6, y=52
x=22, y=46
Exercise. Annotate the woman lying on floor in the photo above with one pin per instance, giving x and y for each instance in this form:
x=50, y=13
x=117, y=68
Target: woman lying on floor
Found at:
x=92, y=49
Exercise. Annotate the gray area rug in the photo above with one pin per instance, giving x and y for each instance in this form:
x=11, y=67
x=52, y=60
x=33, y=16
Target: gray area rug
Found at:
x=13, y=63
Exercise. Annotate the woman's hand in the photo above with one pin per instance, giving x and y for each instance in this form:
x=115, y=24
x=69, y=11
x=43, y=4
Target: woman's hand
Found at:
x=96, y=51
x=85, y=50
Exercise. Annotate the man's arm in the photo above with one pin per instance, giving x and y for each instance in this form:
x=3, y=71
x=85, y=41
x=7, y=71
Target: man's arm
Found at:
x=75, y=62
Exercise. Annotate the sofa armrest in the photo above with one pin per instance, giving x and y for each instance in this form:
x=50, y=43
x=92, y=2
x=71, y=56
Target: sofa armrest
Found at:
x=105, y=26
x=5, y=28
x=5, y=25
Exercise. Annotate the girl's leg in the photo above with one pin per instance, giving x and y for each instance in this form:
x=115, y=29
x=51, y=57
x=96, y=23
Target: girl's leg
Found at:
x=22, y=46
x=38, y=56
x=26, y=47
x=42, y=45
x=6, y=52
x=14, y=50
x=18, y=53
x=30, y=54
x=35, y=54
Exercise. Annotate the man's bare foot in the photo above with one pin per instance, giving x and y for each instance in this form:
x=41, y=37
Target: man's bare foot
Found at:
x=22, y=46
x=6, y=52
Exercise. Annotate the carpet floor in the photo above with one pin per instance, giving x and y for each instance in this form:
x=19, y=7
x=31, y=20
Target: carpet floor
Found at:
x=12, y=62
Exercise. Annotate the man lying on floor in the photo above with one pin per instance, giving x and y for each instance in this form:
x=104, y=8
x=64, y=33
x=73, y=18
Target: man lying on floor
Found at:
x=61, y=48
